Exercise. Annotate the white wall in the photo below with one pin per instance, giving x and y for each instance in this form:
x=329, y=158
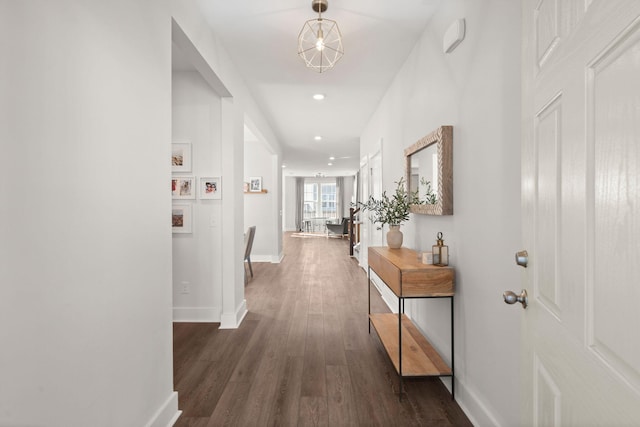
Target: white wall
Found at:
x=197, y=256
x=85, y=258
x=476, y=89
x=260, y=209
x=86, y=254
x=289, y=205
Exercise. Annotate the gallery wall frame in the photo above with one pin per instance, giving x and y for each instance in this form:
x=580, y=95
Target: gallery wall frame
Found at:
x=255, y=184
x=181, y=218
x=183, y=187
x=210, y=188
x=181, y=157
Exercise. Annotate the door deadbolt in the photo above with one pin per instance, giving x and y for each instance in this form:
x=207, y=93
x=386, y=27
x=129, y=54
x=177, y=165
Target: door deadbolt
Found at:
x=522, y=258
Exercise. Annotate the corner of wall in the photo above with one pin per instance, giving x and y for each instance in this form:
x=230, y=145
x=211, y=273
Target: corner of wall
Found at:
x=233, y=320
x=278, y=258
x=168, y=414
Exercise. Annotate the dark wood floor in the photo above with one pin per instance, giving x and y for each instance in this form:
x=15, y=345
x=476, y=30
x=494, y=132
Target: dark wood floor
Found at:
x=303, y=355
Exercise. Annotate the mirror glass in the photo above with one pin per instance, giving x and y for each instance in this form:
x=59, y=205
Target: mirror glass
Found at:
x=424, y=173
x=429, y=173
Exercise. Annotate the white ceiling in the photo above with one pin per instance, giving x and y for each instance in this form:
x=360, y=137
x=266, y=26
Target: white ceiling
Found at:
x=261, y=38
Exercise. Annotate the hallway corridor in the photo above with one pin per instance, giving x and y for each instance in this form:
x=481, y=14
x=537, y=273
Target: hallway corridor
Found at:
x=303, y=355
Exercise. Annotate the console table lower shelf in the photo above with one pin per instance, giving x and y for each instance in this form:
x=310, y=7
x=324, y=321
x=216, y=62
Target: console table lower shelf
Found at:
x=419, y=358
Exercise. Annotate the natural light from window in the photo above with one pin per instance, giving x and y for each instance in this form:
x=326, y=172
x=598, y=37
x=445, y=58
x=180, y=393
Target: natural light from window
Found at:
x=320, y=204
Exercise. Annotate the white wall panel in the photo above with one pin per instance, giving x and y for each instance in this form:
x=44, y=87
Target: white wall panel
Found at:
x=614, y=270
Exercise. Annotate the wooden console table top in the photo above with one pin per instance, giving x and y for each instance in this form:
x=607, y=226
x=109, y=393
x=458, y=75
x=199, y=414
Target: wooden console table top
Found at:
x=408, y=277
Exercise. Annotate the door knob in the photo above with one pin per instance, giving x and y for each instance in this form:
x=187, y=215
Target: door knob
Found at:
x=522, y=258
x=512, y=298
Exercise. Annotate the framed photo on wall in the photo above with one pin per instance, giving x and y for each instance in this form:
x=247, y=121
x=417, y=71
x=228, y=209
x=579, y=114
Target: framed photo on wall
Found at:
x=210, y=188
x=181, y=157
x=183, y=187
x=255, y=184
x=181, y=219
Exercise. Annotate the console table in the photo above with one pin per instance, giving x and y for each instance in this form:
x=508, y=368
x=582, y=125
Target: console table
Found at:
x=410, y=352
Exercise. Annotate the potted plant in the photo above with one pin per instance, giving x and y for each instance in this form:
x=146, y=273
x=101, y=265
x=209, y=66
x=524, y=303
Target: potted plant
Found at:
x=392, y=210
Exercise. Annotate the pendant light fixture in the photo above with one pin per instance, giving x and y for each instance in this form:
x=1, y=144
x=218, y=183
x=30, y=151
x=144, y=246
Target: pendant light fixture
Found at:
x=320, y=41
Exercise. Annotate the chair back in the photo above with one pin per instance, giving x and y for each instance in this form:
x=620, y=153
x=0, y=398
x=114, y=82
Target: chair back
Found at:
x=248, y=241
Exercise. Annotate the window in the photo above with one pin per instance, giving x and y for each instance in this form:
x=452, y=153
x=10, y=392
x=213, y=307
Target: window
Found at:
x=328, y=200
x=310, y=200
x=320, y=200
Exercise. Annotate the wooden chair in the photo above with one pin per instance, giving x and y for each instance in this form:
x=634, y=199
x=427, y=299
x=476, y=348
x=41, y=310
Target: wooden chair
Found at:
x=248, y=244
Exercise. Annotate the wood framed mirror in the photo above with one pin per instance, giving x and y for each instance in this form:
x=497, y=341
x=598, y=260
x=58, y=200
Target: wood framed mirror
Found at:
x=429, y=172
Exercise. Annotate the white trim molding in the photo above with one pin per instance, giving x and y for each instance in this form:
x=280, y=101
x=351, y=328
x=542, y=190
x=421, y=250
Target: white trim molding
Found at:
x=168, y=413
x=233, y=320
x=196, y=314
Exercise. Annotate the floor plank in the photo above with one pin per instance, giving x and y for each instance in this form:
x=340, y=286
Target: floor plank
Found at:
x=303, y=355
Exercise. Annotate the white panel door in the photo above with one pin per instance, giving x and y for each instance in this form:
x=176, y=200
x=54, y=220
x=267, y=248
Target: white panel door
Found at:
x=581, y=212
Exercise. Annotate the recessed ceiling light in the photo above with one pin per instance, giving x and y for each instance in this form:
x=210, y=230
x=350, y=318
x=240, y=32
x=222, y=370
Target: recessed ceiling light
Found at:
x=332, y=158
x=284, y=166
x=329, y=164
x=317, y=137
x=318, y=96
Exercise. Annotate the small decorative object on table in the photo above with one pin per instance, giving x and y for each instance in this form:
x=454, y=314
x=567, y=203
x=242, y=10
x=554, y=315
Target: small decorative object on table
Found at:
x=440, y=252
x=393, y=211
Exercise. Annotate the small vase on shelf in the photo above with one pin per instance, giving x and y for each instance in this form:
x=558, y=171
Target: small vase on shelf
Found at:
x=394, y=237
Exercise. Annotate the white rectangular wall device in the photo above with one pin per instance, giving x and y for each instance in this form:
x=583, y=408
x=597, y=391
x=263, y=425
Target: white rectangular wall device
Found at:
x=453, y=36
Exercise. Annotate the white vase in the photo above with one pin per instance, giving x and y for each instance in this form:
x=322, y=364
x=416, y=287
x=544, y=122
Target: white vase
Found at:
x=394, y=237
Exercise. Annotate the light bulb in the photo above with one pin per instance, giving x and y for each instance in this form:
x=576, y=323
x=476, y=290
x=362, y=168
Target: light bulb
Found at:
x=320, y=40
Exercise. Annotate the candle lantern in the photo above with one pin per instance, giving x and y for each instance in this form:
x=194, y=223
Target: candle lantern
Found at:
x=440, y=252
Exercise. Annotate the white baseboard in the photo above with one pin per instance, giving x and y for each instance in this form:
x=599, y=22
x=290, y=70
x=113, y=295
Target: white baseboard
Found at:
x=274, y=259
x=277, y=259
x=168, y=414
x=261, y=258
x=233, y=320
x=472, y=406
x=196, y=314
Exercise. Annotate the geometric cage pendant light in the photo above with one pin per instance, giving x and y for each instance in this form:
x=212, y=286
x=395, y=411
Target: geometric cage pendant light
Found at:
x=320, y=40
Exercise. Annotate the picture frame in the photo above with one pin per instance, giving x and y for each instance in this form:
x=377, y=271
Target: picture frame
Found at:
x=181, y=157
x=183, y=187
x=255, y=184
x=181, y=218
x=210, y=188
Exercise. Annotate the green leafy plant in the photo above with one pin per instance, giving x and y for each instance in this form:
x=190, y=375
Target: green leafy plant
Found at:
x=430, y=197
x=392, y=210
